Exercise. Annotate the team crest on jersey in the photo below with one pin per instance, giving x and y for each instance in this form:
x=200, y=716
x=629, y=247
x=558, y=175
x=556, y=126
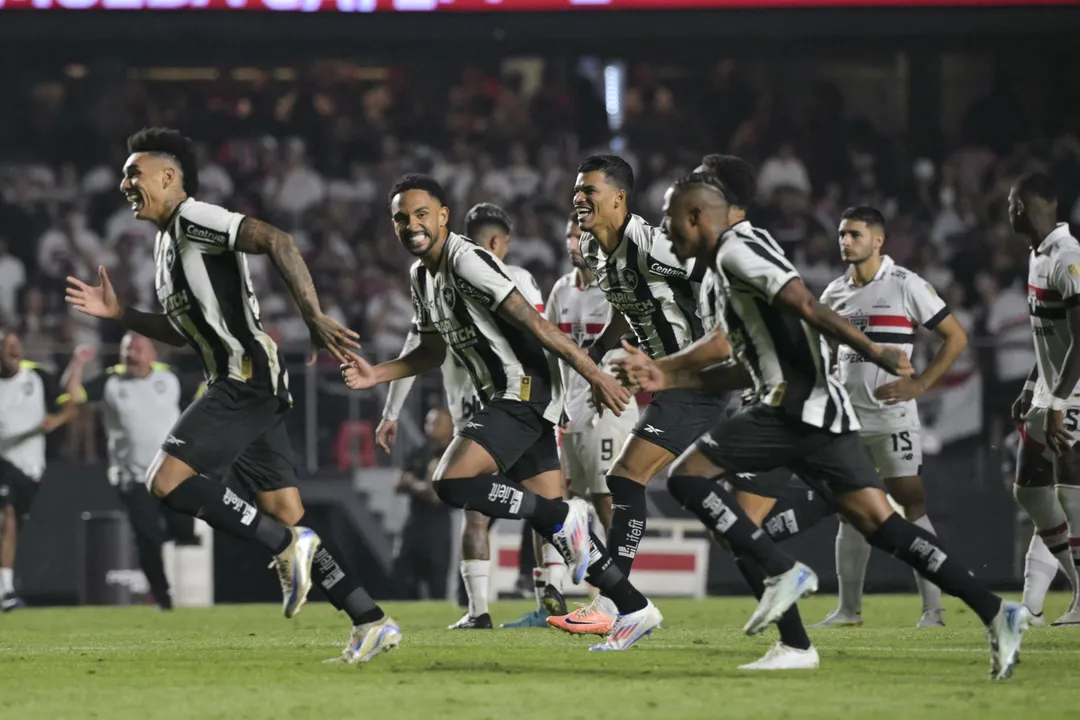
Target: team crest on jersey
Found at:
x=577, y=332
x=630, y=277
x=448, y=296
x=861, y=322
x=170, y=257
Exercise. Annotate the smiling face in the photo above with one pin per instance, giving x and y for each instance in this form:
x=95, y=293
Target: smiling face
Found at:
x=151, y=181
x=596, y=201
x=420, y=221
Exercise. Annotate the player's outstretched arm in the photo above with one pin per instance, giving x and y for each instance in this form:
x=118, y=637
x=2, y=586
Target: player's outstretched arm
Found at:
x=427, y=355
x=607, y=392
x=796, y=299
x=101, y=301
x=640, y=372
x=258, y=238
x=610, y=337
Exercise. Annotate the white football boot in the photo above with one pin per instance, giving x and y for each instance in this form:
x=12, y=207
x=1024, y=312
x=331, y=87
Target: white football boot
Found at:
x=1005, y=633
x=368, y=641
x=630, y=628
x=294, y=569
x=785, y=657
x=781, y=592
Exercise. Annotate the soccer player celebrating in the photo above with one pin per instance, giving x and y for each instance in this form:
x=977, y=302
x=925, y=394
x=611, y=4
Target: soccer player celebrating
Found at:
x=887, y=302
x=1048, y=409
x=803, y=419
x=464, y=299
x=655, y=295
x=31, y=406
x=203, y=283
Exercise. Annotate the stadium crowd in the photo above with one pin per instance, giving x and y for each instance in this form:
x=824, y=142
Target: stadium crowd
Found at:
x=316, y=157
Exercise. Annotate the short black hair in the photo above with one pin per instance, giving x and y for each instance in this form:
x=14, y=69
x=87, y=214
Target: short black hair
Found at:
x=708, y=180
x=1037, y=184
x=617, y=171
x=736, y=175
x=417, y=181
x=167, y=141
x=486, y=214
x=866, y=214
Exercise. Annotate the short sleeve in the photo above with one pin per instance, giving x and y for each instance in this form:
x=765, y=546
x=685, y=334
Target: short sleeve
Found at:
x=528, y=286
x=551, y=308
x=94, y=390
x=1065, y=277
x=421, y=320
x=209, y=227
x=662, y=261
x=481, y=276
x=922, y=303
x=754, y=264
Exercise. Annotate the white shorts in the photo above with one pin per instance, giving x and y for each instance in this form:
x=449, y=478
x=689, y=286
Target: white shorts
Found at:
x=589, y=454
x=1033, y=431
x=895, y=455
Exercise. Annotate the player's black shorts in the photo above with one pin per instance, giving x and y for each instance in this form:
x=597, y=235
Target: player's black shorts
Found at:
x=764, y=438
x=17, y=489
x=517, y=435
x=674, y=419
x=235, y=424
x=777, y=484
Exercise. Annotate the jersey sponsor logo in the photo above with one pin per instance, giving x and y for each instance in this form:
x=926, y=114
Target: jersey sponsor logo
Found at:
x=177, y=304
x=506, y=495
x=457, y=338
x=628, y=303
x=467, y=289
x=1043, y=331
x=723, y=515
x=662, y=269
x=204, y=235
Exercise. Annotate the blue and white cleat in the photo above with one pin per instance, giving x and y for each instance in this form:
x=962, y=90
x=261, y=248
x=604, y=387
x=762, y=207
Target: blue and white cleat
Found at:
x=368, y=640
x=294, y=569
x=630, y=628
x=572, y=539
x=535, y=619
x=1005, y=632
x=781, y=592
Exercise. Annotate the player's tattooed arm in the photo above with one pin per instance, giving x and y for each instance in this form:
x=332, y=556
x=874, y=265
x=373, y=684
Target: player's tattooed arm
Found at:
x=258, y=238
x=796, y=299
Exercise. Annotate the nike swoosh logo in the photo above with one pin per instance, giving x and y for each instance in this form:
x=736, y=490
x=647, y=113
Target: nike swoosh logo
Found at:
x=579, y=622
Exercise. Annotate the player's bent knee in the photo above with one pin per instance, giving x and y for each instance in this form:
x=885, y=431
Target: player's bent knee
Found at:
x=866, y=509
x=681, y=487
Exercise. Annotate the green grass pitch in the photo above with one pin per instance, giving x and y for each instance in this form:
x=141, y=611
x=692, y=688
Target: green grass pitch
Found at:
x=239, y=662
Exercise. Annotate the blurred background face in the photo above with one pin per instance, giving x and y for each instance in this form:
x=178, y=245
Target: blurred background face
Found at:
x=137, y=352
x=858, y=241
x=1018, y=218
x=494, y=239
x=573, y=244
x=11, y=353
x=419, y=220
x=439, y=426
x=596, y=201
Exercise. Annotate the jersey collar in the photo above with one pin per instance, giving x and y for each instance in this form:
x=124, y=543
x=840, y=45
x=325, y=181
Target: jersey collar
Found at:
x=1058, y=234
x=886, y=265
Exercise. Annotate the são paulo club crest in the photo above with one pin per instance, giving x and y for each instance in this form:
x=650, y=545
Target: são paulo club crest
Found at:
x=861, y=322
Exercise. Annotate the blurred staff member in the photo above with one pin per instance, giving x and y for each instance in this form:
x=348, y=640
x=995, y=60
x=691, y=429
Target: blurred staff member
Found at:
x=424, y=557
x=141, y=402
x=31, y=406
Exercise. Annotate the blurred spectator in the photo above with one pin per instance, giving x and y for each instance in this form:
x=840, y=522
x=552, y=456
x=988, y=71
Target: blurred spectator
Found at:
x=784, y=169
x=12, y=279
x=790, y=222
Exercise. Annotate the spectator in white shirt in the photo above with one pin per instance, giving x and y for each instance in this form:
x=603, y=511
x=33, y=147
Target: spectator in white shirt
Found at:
x=215, y=185
x=12, y=279
x=782, y=169
x=298, y=188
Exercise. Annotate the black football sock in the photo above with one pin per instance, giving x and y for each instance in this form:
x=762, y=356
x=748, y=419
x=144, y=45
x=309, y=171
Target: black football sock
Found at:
x=605, y=576
x=628, y=511
x=497, y=497
x=224, y=510
x=715, y=507
x=341, y=586
x=790, y=625
x=922, y=551
x=153, y=567
x=797, y=514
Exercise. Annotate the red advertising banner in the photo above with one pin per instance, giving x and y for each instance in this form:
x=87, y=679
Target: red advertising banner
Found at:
x=366, y=6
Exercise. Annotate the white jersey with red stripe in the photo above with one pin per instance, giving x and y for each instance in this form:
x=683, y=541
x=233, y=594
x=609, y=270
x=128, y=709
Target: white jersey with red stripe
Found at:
x=887, y=309
x=581, y=313
x=1053, y=287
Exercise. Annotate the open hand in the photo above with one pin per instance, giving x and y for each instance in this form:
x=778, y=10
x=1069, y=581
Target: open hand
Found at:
x=94, y=300
x=385, y=434
x=1057, y=437
x=1021, y=406
x=638, y=371
x=607, y=392
x=901, y=390
x=330, y=335
x=358, y=372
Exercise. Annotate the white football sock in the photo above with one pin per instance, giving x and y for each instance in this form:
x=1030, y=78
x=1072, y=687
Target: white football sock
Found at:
x=475, y=574
x=852, y=555
x=1040, y=569
x=928, y=591
x=7, y=581
x=555, y=566
x=1045, y=510
x=1069, y=497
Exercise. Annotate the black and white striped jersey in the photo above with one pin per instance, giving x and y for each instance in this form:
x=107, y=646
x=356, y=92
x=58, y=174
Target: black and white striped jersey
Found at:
x=644, y=281
x=460, y=301
x=205, y=288
x=785, y=356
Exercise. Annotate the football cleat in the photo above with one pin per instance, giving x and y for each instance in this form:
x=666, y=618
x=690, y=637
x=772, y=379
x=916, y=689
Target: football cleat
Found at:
x=1036, y=620
x=572, y=539
x=630, y=628
x=294, y=569
x=781, y=592
x=588, y=619
x=931, y=618
x=840, y=619
x=468, y=622
x=785, y=657
x=1005, y=633
x=553, y=601
x=535, y=619
x=1072, y=617
x=369, y=640
x=11, y=602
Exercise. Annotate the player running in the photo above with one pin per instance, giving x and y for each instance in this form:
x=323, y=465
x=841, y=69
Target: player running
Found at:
x=464, y=299
x=655, y=295
x=803, y=420
x=203, y=283
x=887, y=302
x=1048, y=410
x=31, y=407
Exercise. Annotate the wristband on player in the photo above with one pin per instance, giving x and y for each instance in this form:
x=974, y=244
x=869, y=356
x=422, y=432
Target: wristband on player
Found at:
x=1029, y=387
x=1057, y=404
